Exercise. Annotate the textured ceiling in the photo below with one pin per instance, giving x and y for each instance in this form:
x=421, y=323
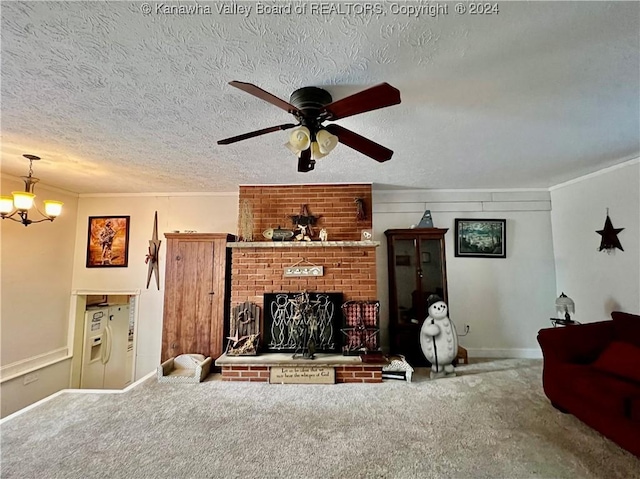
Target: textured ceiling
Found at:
x=114, y=100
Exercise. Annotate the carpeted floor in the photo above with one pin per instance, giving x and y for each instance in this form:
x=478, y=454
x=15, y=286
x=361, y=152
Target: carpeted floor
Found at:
x=492, y=421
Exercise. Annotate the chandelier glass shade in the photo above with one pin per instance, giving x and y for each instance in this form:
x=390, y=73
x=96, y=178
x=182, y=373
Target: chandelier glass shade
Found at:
x=17, y=206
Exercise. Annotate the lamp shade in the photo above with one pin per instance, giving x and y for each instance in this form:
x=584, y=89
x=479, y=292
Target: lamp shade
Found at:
x=300, y=138
x=23, y=200
x=326, y=141
x=6, y=204
x=52, y=208
x=565, y=307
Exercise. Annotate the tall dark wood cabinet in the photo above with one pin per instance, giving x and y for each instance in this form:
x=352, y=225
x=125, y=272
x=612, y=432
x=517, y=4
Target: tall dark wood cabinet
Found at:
x=417, y=269
x=196, y=294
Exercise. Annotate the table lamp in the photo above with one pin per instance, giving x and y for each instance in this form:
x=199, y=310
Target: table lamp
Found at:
x=565, y=309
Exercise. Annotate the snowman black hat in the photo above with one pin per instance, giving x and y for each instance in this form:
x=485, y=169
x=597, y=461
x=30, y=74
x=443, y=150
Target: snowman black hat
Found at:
x=432, y=299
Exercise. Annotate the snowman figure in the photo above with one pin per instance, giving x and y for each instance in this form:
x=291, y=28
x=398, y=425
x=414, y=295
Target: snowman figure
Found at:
x=439, y=339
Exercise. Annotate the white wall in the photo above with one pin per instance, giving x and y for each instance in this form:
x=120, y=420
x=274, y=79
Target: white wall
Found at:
x=598, y=282
x=212, y=213
x=504, y=301
x=36, y=279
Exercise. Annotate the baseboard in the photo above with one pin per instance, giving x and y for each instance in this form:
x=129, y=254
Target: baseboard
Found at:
x=112, y=391
x=515, y=353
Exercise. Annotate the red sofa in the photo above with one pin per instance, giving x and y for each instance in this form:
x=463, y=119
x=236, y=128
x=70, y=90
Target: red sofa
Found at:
x=593, y=372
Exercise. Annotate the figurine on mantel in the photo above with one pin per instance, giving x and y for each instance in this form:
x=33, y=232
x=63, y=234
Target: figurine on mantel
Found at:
x=323, y=234
x=302, y=236
x=306, y=219
x=278, y=234
x=439, y=339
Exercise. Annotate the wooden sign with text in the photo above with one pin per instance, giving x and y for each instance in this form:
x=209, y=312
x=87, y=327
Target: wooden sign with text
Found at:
x=302, y=375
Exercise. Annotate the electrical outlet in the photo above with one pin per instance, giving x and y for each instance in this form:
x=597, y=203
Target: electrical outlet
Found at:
x=30, y=378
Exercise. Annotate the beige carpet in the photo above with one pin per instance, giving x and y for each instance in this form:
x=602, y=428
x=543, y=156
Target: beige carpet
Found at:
x=492, y=421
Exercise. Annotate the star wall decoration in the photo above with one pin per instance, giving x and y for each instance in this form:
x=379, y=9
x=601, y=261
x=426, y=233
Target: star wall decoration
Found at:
x=305, y=219
x=610, y=240
x=152, y=258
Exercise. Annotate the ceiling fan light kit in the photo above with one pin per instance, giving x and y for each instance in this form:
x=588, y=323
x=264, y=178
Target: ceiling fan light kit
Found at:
x=312, y=106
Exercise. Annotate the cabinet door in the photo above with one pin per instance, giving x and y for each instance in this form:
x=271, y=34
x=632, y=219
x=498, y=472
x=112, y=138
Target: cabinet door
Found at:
x=431, y=271
x=188, y=299
x=407, y=286
x=221, y=299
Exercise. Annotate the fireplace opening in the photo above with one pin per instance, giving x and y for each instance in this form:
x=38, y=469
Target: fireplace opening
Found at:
x=302, y=323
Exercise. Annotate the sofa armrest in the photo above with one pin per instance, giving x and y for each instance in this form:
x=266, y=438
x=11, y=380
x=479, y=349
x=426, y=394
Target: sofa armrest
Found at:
x=580, y=344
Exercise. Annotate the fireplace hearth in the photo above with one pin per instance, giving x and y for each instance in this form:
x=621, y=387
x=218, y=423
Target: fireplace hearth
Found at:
x=302, y=323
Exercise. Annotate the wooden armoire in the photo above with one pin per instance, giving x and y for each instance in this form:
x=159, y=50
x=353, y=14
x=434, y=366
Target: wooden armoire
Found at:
x=196, y=294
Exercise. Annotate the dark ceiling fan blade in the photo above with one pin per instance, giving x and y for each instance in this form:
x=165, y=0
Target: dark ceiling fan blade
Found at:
x=264, y=131
x=305, y=163
x=379, y=96
x=360, y=143
x=265, y=95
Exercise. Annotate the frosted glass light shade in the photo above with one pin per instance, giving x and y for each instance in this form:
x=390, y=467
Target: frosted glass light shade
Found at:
x=326, y=141
x=6, y=204
x=300, y=138
x=292, y=148
x=316, y=154
x=22, y=200
x=565, y=307
x=52, y=208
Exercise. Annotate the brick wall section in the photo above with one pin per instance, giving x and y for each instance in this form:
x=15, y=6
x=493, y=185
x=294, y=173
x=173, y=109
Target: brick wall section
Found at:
x=246, y=373
x=358, y=374
x=344, y=374
x=347, y=270
x=272, y=206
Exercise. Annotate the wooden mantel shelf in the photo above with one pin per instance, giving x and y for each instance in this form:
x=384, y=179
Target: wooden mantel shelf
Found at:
x=303, y=244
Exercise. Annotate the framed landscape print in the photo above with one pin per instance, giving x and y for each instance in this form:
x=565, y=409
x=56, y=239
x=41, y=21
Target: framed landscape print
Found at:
x=108, y=242
x=479, y=238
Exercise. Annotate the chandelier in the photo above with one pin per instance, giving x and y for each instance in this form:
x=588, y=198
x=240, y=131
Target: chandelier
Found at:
x=23, y=201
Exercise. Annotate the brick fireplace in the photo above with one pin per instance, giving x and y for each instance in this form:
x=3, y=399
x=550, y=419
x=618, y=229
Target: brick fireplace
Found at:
x=349, y=264
x=259, y=269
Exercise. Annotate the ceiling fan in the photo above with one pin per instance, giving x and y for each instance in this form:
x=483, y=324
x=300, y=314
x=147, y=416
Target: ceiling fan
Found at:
x=311, y=106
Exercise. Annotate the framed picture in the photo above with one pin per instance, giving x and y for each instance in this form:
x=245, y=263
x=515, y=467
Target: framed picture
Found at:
x=108, y=242
x=478, y=238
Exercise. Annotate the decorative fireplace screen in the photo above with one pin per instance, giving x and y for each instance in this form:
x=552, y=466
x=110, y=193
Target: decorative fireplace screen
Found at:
x=291, y=320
